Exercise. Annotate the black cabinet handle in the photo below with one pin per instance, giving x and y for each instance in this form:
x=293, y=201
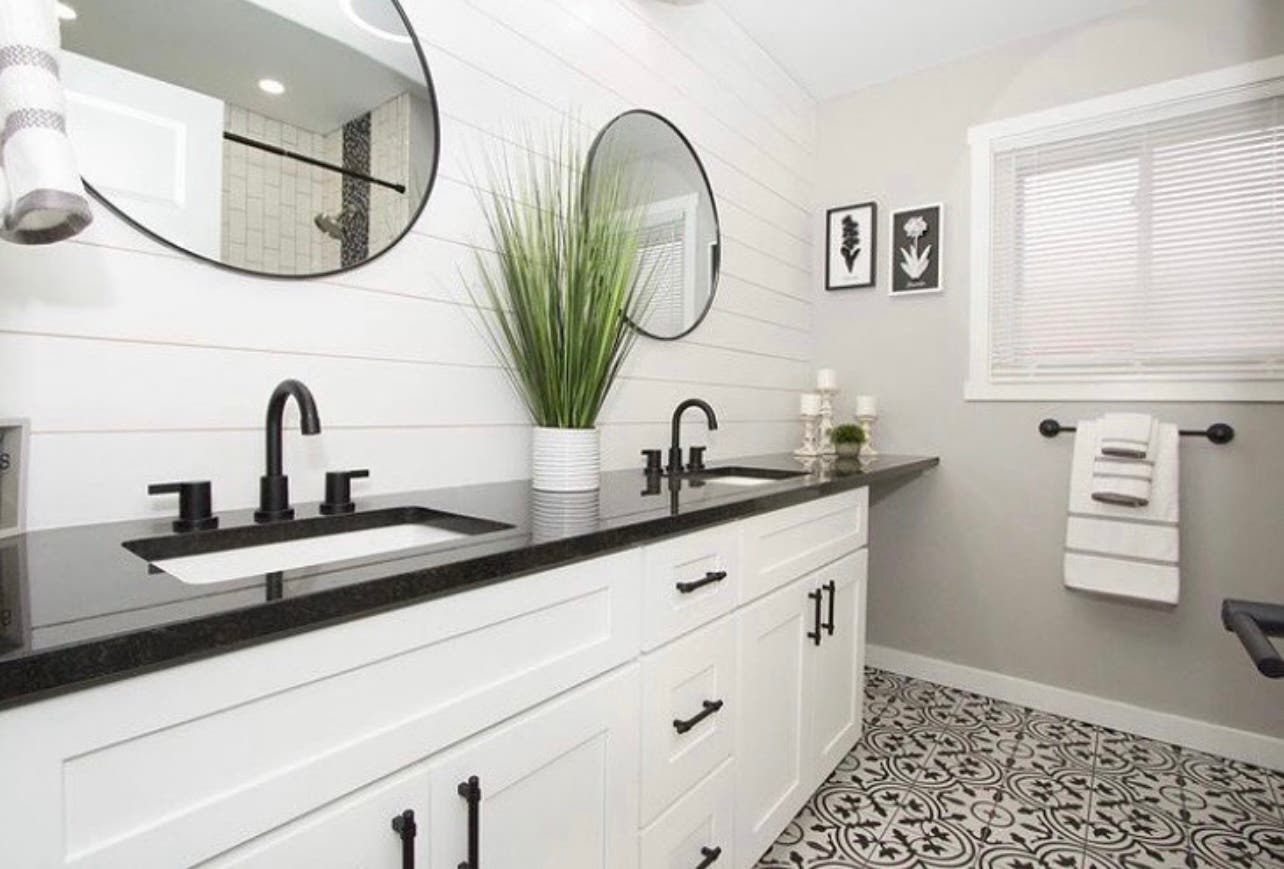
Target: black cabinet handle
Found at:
x=710, y=707
x=709, y=578
x=710, y=856
x=832, y=588
x=471, y=791
x=815, y=635
x=404, y=826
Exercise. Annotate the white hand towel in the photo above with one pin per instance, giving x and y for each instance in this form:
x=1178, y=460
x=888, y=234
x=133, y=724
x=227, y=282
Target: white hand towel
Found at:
x=1119, y=550
x=1127, y=435
x=46, y=200
x=1122, y=481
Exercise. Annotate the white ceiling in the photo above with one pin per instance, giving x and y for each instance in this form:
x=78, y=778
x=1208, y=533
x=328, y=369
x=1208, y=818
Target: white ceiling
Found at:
x=832, y=47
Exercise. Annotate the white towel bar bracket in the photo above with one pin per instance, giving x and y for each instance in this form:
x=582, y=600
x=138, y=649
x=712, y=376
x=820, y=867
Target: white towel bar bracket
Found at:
x=1219, y=432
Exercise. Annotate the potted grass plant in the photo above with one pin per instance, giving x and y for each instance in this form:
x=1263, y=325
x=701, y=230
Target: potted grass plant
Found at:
x=557, y=296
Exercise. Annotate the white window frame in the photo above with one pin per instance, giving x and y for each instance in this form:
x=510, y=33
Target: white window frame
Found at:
x=1223, y=87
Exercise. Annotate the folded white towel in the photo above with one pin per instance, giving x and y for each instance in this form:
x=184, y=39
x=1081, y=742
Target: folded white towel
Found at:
x=46, y=200
x=1126, y=551
x=1127, y=435
x=1122, y=481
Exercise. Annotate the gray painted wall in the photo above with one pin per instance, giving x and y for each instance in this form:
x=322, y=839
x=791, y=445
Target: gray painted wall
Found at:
x=967, y=561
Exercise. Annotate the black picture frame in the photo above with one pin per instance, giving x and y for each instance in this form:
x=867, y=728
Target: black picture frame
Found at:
x=922, y=251
x=847, y=268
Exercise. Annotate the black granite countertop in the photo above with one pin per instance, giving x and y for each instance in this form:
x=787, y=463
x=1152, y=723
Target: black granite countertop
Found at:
x=77, y=608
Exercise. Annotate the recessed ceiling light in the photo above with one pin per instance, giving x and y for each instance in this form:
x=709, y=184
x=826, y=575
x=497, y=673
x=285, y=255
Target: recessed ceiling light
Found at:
x=65, y=12
x=271, y=86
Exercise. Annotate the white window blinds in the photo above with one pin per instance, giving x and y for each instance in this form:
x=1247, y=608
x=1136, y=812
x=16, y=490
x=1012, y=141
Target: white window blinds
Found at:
x=1147, y=252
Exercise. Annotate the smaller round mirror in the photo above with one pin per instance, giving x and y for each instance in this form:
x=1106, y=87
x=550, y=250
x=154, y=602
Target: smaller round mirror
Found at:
x=681, y=241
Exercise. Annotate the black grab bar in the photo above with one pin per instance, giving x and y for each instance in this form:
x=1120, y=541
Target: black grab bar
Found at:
x=1254, y=623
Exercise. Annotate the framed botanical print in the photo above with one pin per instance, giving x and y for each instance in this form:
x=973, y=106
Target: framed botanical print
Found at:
x=917, y=249
x=851, y=246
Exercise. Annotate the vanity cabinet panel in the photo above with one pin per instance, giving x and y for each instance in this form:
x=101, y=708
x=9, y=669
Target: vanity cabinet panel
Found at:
x=558, y=785
x=783, y=545
x=699, y=827
x=801, y=688
x=688, y=581
x=688, y=711
x=179, y=766
x=838, y=674
x=774, y=664
x=355, y=831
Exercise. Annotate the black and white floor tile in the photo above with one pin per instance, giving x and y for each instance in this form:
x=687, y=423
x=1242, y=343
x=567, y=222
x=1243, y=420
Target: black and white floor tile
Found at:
x=944, y=778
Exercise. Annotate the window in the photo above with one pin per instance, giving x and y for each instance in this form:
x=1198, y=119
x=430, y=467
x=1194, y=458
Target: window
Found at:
x=1132, y=247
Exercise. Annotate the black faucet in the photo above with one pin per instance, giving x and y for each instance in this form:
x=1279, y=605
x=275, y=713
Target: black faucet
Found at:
x=675, y=445
x=274, y=486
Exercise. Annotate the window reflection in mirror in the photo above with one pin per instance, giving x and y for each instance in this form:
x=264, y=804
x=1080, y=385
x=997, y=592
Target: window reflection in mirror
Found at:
x=681, y=242
x=281, y=137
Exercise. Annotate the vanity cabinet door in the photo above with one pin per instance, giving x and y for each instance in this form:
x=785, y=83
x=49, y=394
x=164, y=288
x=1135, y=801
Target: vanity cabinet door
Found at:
x=354, y=832
x=837, y=688
x=558, y=786
x=772, y=724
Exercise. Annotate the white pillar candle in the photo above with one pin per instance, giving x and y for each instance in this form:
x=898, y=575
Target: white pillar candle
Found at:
x=809, y=404
x=866, y=405
x=827, y=378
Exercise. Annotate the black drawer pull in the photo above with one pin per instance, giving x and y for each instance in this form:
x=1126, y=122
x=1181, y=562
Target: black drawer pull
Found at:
x=404, y=826
x=709, y=578
x=710, y=707
x=815, y=635
x=471, y=791
x=832, y=588
x=710, y=856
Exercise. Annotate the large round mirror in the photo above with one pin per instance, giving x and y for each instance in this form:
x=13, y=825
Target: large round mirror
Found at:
x=280, y=137
x=681, y=239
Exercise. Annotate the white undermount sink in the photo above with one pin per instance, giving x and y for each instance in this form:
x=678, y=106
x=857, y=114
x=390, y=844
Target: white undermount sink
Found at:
x=252, y=551
x=294, y=554
x=744, y=476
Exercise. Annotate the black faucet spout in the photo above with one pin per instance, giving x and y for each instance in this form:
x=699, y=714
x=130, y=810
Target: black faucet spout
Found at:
x=675, y=443
x=274, y=487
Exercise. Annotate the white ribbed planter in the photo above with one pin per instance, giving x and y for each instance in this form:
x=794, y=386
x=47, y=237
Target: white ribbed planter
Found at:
x=565, y=459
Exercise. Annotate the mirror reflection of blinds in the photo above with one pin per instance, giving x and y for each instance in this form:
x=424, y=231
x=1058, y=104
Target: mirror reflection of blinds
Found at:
x=661, y=255
x=1154, y=251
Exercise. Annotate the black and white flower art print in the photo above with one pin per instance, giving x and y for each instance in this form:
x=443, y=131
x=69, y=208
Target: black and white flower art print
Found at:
x=851, y=244
x=917, y=249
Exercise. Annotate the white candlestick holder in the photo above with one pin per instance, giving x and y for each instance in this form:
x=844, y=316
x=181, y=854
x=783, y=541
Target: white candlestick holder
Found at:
x=811, y=428
x=866, y=424
x=826, y=433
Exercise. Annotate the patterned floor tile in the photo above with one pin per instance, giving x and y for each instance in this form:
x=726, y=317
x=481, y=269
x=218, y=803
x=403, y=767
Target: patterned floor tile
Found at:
x=943, y=778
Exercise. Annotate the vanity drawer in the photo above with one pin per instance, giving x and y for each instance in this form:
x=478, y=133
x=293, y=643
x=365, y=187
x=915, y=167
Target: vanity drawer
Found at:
x=698, y=827
x=174, y=767
x=688, y=581
x=688, y=710
x=781, y=546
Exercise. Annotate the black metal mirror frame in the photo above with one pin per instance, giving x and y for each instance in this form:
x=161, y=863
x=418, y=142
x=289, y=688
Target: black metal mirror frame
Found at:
x=713, y=204
x=432, y=180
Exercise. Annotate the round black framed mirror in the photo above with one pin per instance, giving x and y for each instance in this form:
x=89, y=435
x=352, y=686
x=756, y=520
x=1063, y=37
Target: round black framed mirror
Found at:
x=282, y=138
x=681, y=242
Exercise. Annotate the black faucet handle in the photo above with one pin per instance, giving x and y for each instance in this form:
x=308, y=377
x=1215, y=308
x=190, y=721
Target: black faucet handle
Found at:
x=195, y=504
x=653, y=461
x=696, y=462
x=338, y=491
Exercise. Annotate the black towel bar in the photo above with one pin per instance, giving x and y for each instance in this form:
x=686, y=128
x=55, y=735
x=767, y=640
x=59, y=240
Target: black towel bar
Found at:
x=1219, y=432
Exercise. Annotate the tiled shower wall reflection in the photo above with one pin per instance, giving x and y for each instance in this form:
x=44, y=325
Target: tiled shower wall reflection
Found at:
x=270, y=203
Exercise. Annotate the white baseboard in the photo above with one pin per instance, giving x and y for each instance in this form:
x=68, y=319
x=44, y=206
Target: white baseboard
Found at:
x=1254, y=748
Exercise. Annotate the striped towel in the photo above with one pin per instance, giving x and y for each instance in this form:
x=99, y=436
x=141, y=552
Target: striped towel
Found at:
x=1126, y=435
x=43, y=197
x=1125, y=551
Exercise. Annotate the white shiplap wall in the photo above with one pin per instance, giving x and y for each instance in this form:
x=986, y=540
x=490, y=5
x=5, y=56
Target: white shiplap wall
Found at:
x=136, y=364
